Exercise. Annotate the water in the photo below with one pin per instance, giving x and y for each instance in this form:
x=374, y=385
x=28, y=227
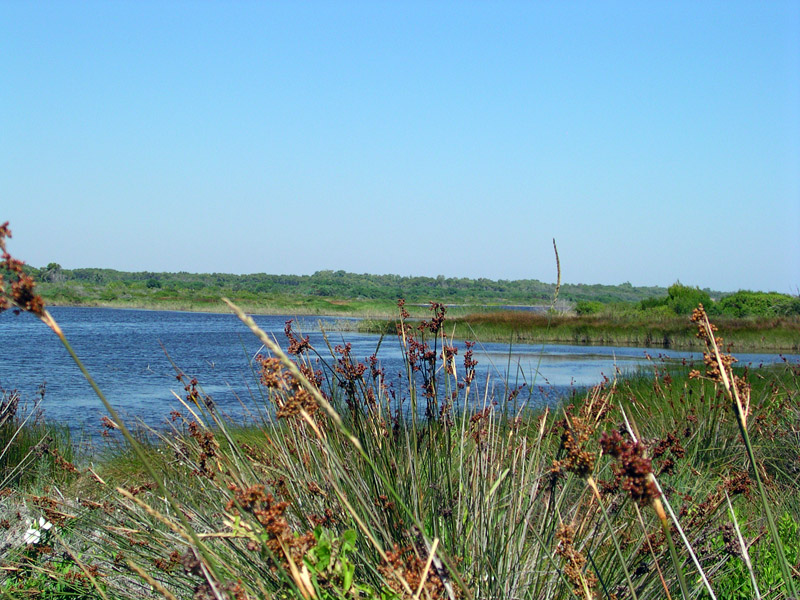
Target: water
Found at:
x=125, y=352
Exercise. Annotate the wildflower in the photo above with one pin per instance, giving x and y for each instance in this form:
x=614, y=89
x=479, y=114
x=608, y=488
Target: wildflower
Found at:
x=34, y=533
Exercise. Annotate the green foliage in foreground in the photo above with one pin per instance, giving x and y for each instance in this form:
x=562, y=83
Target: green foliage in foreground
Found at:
x=344, y=490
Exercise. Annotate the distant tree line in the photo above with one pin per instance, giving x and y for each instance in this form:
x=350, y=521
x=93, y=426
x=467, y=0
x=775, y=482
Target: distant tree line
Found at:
x=677, y=299
x=341, y=284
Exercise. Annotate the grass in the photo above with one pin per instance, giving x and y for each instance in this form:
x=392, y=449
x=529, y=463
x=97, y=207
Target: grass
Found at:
x=210, y=300
x=342, y=490
x=631, y=329
x=30, y=449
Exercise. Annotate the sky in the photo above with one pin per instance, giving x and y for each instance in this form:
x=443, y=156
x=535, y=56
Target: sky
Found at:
x=655, y=141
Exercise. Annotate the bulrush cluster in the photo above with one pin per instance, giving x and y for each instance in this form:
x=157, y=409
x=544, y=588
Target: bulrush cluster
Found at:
x=634, y=468
x=422, y=358
x=208, y=450
x=289, y=396
x=193, y=393
x=350, y=373
x=208, y=588
x=405, y=563
x=575, y=434
x=705, y=331
x=469, y=363
x=435, y=324
x=669, y=445
x=279, y=538
x=583, y=582
x=578, y=429
x=296, y=345
x=718, y=364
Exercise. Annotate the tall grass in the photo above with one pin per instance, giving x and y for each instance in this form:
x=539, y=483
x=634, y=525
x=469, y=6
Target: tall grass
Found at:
x=30, y=449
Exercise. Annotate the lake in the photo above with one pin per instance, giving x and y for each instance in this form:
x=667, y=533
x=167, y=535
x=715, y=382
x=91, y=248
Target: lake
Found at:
x=125, y=352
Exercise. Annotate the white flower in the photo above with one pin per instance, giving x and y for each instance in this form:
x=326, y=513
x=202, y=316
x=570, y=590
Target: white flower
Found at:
x=32, y=536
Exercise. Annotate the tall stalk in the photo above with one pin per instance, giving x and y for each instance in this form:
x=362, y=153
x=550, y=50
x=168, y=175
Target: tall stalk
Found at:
x=720, y=371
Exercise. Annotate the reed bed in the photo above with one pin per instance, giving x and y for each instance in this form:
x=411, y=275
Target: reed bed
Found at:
x=356, y=483
x=626, y=329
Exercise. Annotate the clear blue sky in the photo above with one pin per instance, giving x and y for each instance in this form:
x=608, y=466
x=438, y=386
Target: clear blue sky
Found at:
x=655, y=141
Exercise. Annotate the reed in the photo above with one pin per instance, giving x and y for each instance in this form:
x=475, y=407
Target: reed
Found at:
x=636, y=329
x=30, y=449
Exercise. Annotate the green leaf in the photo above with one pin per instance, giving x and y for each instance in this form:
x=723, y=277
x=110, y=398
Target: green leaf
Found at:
x=348, y=572
x=348, y=541
x=322, y=553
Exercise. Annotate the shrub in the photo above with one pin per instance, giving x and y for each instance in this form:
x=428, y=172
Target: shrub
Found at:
x=684, y=299
x=745, y=303
x=588, y=307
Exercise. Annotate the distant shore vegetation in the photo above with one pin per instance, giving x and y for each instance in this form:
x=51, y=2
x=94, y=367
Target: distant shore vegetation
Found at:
x=519, y=311
x=108, y=285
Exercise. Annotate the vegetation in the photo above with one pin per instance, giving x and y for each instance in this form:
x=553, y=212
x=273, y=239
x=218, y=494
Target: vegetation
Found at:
x=584, y=314
x=753, y=321
x=625, y=329
x=681, y=300
x=351, y=485
x=334, y=291
x=30, y=449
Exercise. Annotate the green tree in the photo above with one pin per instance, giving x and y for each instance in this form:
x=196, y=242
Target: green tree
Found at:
x=684, y=299
x=52, y=273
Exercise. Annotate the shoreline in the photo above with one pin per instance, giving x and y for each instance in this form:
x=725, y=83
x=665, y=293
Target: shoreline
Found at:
x=223, y=310
x=574, y=331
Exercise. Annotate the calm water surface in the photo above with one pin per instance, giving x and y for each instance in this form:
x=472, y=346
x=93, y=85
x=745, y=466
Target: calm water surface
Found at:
x=125, y=352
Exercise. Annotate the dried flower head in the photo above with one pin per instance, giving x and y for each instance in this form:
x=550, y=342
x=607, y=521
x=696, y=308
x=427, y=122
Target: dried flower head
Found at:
x=296, y=345
x=718, y=365
x=18, y=292
x=405, y=565
x=288, y=395
x=634, y=468
x=575, y=434
x=574, y=563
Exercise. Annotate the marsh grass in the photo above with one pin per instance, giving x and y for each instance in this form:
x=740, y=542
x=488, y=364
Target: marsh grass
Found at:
x=71, y=294
x=30, y=448
x=624, y=329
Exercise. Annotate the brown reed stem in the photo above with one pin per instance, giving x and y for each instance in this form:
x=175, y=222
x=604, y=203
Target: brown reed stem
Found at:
x=732, y=391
